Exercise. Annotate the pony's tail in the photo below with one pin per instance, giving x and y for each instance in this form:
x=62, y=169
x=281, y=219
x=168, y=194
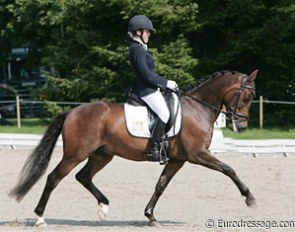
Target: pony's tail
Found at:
x=38, y=161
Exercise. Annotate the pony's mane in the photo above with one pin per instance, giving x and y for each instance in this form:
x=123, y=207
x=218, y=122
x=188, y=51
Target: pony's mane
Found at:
x=208, y=78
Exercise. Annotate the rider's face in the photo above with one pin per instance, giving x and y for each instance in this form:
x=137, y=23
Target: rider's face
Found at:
x=144, y=35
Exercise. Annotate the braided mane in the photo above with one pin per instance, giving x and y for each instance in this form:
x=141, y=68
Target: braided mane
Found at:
x=208, y=78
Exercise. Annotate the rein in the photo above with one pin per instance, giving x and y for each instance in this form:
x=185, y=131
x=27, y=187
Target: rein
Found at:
x=232, y=114
x=202, y=102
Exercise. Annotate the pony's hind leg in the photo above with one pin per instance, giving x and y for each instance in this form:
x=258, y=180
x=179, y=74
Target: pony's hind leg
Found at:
x=209, y=161
x=96, y=162
x=61, y=170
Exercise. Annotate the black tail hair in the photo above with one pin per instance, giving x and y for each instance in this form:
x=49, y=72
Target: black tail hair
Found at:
x=37, y=163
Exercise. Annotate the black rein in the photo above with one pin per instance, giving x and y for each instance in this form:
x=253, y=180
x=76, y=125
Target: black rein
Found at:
x=229, y=114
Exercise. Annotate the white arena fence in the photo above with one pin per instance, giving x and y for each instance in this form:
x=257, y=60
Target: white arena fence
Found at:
x=282, y=147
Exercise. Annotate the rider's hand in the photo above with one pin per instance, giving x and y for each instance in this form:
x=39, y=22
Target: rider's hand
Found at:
x=172, y=85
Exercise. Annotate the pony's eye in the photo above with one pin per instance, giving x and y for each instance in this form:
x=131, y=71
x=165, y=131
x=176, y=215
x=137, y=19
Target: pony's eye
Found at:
x=247, y=98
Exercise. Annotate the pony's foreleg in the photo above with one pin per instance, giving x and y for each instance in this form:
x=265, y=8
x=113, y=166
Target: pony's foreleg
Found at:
x=95, y=163
x=61, y=170
x=169, y=171
x=209, y=161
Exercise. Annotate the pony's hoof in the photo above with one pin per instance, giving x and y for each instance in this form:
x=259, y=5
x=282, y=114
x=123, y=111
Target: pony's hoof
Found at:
x=154, y=223
x=40, y=222
x=102, y=212
x=251, y=202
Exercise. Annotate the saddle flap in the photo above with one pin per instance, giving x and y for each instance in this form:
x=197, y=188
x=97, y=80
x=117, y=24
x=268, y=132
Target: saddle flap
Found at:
x=138, y=121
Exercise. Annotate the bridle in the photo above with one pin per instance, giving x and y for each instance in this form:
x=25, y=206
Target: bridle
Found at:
x=232, y=114
x=236, y=97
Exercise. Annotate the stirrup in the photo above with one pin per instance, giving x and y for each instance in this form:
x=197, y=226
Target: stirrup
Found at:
x=159, y=152
x=154, y=153
x=155, y=157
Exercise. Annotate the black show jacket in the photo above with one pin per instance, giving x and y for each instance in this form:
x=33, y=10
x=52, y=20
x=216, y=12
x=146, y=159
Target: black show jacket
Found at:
x=147, y=80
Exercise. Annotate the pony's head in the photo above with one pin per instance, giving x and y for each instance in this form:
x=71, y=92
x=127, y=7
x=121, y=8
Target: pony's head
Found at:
x=238, y=99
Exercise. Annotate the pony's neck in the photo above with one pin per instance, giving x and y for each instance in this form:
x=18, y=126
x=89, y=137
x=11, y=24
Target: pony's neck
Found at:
x=212, y=92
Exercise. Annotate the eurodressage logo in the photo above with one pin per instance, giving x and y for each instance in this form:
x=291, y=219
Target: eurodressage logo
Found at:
x=262, y=224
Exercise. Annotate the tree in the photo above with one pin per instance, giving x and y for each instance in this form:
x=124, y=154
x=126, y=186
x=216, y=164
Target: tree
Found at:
x=28, y=23
x=85, y=41
x=245, y=35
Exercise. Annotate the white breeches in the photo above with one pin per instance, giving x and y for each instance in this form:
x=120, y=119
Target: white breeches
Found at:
x=157, y=103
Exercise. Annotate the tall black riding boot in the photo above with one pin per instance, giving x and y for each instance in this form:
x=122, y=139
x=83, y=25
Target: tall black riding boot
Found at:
x=157, y=133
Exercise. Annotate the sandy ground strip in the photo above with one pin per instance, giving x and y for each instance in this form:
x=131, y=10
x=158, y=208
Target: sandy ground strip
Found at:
x=195, y=198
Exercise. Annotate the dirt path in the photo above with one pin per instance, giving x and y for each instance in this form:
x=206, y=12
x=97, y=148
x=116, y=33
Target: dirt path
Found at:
x=195, y=196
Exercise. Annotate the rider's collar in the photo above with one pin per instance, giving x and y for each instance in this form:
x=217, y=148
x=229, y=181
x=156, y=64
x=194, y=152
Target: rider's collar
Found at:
x=134, y=38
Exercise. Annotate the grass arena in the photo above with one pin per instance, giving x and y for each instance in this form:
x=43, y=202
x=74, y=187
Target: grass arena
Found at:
x=197, y=199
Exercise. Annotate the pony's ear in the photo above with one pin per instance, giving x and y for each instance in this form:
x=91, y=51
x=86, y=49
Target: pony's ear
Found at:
x=253, y=75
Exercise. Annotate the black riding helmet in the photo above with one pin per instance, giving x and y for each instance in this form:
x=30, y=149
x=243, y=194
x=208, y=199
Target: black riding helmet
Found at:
x=140, y=22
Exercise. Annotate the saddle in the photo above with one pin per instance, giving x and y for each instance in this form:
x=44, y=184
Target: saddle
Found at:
x=140, y=118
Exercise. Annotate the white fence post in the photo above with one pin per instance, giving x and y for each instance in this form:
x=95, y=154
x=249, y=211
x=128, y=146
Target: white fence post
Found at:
x=18, y=112
x=260, y=112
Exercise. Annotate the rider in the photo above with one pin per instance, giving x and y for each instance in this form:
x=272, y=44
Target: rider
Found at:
x=148, y=82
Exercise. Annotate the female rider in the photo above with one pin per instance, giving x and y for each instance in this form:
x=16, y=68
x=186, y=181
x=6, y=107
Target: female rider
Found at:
x=148, y=82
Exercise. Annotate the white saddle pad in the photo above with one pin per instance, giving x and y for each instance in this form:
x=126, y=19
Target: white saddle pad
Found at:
x=137, y=120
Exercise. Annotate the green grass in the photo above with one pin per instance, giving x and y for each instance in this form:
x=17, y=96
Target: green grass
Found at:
x=28, y=126
x=266, y=133
x=38, y=126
